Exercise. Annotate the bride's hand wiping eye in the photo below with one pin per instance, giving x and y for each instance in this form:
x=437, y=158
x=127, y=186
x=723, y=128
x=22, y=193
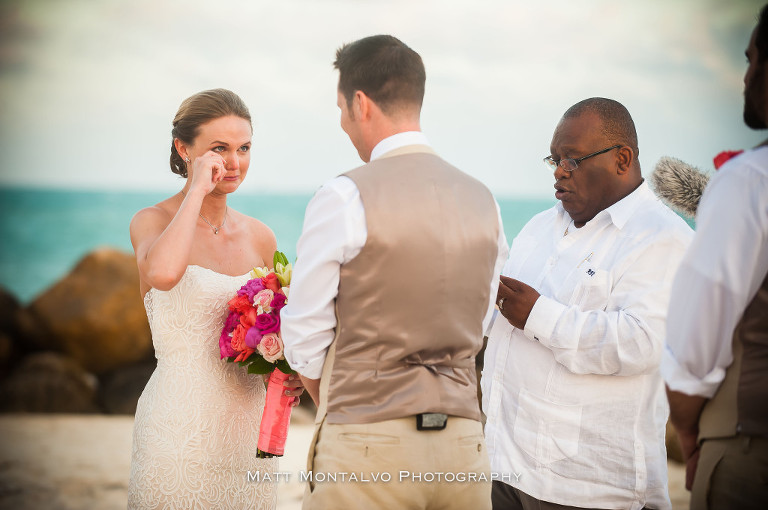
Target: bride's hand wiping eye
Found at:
x=208, y=170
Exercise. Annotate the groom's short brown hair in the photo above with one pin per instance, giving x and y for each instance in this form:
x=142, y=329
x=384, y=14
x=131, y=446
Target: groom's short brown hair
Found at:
x=384, y=69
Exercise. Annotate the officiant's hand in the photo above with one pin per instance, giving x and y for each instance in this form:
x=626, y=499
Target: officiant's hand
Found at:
x=295, y=388
x=518, y=300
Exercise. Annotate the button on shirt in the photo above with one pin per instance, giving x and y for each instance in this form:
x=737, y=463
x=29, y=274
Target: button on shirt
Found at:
x=334, y=233
x=719, y=276
x=575, y=404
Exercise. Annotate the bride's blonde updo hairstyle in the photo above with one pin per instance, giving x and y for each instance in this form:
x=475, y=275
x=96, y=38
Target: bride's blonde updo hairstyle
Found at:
x=196, y=111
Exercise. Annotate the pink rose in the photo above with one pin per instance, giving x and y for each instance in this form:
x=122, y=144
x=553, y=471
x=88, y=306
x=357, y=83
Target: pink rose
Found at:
x=251, y=288
x=271, y=347
x=263, y=299
x=225, y=345
x=233, y=319
x=278, y=302
x=253, y=337
x=267, y=323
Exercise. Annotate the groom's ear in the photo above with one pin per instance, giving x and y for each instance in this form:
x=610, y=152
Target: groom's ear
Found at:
x=361, y=105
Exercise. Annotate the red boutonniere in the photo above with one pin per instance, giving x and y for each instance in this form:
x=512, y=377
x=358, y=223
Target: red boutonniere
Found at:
x=724, y=156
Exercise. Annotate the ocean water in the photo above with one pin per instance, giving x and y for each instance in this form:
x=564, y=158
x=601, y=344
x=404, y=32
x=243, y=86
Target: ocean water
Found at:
x=44, y=233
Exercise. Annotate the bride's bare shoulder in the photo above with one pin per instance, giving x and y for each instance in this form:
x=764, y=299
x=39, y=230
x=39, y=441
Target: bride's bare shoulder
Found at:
x=153, y=217
x=262, y=237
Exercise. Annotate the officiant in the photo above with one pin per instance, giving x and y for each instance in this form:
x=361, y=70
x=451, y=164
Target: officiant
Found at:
x=571, y=384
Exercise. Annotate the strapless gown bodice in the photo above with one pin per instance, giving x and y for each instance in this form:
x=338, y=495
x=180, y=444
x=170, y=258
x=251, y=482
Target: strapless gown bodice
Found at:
x=197, y=420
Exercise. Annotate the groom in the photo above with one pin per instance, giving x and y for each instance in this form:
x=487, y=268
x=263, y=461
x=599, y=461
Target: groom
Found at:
x=394, y=283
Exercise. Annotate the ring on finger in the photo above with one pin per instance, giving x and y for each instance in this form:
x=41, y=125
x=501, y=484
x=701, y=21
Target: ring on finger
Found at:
x=500, y=303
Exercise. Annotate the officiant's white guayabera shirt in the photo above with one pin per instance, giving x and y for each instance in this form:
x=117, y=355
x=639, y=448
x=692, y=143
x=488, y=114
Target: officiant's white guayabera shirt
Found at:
x=334, y=233
x=575, y=404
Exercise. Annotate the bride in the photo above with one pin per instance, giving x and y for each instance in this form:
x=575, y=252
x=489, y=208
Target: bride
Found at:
x=197, y=421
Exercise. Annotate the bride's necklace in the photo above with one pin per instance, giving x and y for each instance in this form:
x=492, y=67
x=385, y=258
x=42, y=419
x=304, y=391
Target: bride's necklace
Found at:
x=566, y=228
x=214, y=228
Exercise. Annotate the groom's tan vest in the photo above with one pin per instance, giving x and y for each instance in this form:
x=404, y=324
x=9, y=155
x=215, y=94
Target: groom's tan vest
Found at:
x=411, y=304
x=741, y=402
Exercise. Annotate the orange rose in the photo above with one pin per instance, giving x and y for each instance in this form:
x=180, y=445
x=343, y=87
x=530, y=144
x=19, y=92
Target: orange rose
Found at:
x=244, y=355
x=238, y=338
x=248, y=318
x=271, y=282
x=240, y=304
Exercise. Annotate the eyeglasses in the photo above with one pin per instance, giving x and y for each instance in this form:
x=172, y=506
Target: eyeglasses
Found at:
x=571, y=164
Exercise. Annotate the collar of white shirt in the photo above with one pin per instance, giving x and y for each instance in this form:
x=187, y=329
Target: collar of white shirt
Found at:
x=620, y=212
x=398, y=140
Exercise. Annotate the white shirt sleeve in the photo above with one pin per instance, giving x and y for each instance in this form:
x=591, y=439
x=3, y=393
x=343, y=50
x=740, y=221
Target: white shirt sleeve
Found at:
x=625, y=337
x=718, y=277
x=334, y=233
x=501, y=258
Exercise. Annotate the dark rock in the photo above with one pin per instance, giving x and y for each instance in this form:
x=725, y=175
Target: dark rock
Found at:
x=19, y=334
x=6, y=352
x=95, y=314
x=48, y=382
x=120, y=389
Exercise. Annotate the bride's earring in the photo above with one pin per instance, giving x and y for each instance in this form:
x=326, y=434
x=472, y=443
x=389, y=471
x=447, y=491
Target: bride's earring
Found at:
x=186, y=160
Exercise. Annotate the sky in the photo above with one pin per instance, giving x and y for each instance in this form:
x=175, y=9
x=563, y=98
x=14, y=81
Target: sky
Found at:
x=88, y=88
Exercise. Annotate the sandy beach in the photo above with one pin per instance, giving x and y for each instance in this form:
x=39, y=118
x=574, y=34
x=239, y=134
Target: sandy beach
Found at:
x=82, y=462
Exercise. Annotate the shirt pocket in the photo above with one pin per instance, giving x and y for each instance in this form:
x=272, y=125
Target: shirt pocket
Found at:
x=545, y=430
x=594, y=290
x=587, y=288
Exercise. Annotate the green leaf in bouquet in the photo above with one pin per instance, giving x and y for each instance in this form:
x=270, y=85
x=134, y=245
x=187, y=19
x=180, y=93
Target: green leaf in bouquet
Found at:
x=284, y=367
x=279, y=257
x=260, y=366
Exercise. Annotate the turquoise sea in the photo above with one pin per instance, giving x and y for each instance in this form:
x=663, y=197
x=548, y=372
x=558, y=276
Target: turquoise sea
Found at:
x=43, y=233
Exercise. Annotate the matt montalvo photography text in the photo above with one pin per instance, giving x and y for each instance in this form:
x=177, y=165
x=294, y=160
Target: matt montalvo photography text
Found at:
x=362, y=477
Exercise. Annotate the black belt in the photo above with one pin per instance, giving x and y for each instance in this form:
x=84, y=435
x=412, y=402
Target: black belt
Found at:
x=431, y=421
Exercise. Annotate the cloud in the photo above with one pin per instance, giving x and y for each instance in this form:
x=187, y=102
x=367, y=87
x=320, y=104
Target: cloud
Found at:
x=88, y=88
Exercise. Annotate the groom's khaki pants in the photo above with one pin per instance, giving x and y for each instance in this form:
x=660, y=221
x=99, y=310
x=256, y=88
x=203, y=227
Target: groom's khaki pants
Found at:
x=390, y=465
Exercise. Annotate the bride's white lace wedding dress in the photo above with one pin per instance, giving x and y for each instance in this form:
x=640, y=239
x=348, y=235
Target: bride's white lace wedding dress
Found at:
x=197, y=421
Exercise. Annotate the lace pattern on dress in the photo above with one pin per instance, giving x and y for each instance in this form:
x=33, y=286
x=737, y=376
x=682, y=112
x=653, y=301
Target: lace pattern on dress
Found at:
x=197, y=420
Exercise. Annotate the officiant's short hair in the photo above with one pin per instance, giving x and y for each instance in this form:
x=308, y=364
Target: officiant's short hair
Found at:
x=384, y=69
x=618, y=126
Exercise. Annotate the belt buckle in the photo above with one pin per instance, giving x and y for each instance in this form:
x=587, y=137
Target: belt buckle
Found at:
x=431, y=421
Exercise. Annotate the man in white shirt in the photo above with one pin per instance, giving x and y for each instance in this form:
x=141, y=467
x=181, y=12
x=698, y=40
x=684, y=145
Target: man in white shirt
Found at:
x=394, y=283
x=717, y=335
x=571, y=387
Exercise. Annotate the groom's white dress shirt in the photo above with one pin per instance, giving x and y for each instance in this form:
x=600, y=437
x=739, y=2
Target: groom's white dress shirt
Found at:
x=575, y=404
x=719, y=276
x=334, y=233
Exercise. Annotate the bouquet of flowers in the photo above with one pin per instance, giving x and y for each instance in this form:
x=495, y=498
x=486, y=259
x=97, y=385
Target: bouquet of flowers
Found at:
x=251, y=338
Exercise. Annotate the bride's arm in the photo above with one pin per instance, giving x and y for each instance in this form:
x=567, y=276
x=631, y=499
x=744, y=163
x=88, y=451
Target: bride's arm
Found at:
x=163, y=247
